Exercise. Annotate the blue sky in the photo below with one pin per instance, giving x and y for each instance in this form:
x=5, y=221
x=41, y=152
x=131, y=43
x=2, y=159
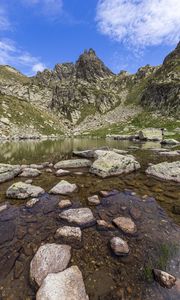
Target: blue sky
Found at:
x=126, y=34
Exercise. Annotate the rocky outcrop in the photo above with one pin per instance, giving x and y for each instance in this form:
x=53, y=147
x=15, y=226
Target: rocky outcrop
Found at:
x=163, y=90
x=65, y=285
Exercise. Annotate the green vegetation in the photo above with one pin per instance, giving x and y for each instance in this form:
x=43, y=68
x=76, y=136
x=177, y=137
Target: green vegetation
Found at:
x=9, y=73
x=86, y=110
x=143, y=120
x=164, y=253
x=23, y=115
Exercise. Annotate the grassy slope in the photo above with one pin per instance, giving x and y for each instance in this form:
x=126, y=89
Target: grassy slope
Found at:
x=22, y=113
x=143, y=120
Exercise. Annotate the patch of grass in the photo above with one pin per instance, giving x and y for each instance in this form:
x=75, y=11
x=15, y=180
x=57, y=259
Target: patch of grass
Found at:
x=23, y=114
x=86, y=110
x=164, y=253
x=9, y=73
x=143, y=120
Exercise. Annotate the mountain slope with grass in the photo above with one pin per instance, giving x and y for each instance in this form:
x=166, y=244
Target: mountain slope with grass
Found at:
x=85, y=97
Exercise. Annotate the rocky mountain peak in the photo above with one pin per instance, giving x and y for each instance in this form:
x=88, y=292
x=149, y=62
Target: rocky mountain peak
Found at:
x=89, y=67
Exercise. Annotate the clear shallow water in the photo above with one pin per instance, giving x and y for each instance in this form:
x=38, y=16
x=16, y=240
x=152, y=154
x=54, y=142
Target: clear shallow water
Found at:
x=106, y=276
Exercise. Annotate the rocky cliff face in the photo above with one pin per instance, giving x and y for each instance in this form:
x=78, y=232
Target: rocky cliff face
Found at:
x=82, y=92
x=163, y=89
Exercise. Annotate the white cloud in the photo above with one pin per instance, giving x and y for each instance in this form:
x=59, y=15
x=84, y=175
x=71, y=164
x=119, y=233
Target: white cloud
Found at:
x=11, y=54
x=47, y=7
x=140, y=23
x=4, y=22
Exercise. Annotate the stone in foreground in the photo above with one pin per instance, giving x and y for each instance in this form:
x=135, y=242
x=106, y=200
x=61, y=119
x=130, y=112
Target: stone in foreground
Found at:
x=30, y=172
x=125, y=224
x=8, y=172
x=73, y=163
x=166, y=171
x=63, y=188
x=103, y=225
x=94, y=200
x=50, y=258
x=165, y=279
x=66, y=285
x=65, y=203
x=69, y=233
x=110, y=163
x=119, y=246
x=78, y=216
x=21, y=190
x=32, y=202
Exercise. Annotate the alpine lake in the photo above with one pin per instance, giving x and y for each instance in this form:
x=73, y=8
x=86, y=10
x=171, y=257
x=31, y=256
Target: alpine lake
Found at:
x=106, y=276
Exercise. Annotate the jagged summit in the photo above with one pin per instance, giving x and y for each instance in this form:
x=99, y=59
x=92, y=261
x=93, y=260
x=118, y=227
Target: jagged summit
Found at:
x=89, y=67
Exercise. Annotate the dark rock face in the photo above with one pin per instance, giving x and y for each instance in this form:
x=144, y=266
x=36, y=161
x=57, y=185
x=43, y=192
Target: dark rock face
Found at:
x=89, y=67
x=163, y=89
x=65, y=71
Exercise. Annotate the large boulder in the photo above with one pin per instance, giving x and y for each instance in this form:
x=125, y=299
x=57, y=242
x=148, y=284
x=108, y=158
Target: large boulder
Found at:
x=150, y=134
x=78, y=216
x=8, y=172
x=50, y=258
x=66, y=285
x=63, y=188
x=165, y=170
x=73, y=163
x=110, y=163
x=22, y=190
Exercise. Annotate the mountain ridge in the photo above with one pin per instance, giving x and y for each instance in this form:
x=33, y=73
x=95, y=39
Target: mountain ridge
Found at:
x=80, y=93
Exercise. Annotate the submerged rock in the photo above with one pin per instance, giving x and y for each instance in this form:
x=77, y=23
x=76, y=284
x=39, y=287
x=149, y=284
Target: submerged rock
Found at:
x=8, y=172
x=66, y=285
x=169, y=153
x=119, y=246
x=165, y=170
x=21, y=190
x=73, y=163
x=125, y=224
x=78, y=216
x=69, y=233
x=110, y=163
x=94, y=200
x=170, y=142
x=65, y=203
x=103, y=225
x=63, y=188
x=3, y=207
x=50, y=258
x=84, y=154
x=32, y=202
x=30, y=172
x=62, y=172
x=164, y=279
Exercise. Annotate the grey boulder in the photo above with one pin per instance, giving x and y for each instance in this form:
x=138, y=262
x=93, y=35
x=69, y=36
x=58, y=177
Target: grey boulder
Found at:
x=78, y=216
x=63, y=188
x=165, y=170
x=66, y=285
x=21, y=190
x=50, y=258
x=73, y=163
x=8, y=172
